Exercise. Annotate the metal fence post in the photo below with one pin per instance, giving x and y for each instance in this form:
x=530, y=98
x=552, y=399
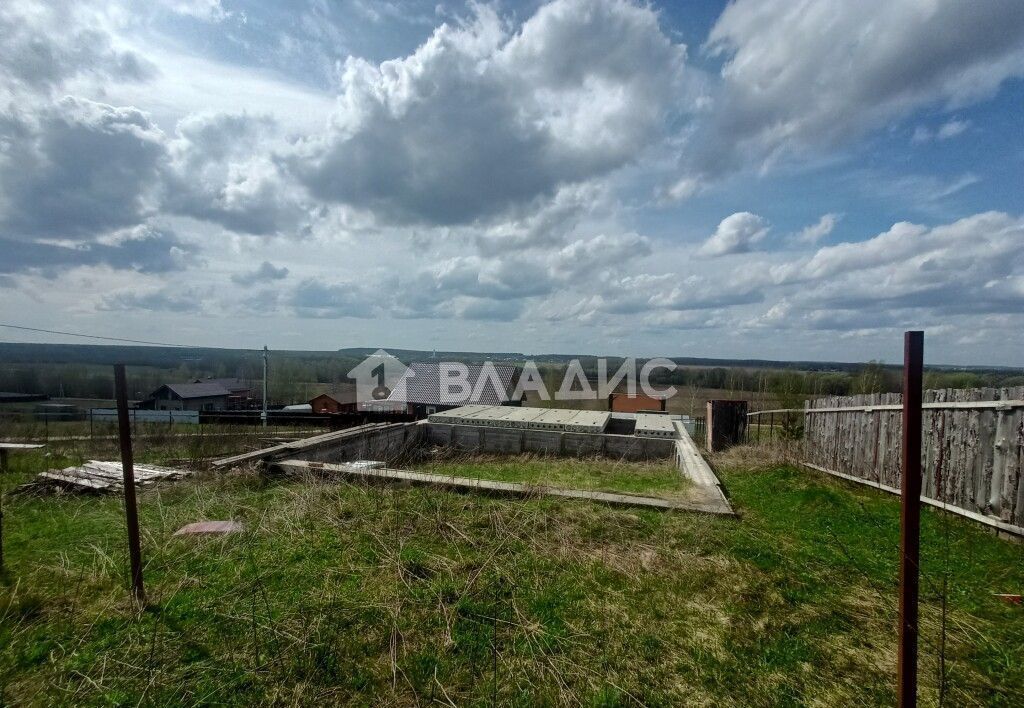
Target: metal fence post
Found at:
x=131, y=511
x=910, y=519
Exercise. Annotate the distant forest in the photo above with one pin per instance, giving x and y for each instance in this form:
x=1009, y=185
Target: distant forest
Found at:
x=83, y=371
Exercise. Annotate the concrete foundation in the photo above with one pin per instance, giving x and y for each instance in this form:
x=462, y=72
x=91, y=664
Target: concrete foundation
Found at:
x=388, y=445
x=513, y=441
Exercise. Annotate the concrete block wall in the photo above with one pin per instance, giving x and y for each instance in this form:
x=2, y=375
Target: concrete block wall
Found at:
x=543, y=442
x=583, y=445
x=389, y=444
x=382, y=445
x=517, y=440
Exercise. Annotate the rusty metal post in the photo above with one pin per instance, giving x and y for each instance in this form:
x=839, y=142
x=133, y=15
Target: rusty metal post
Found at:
x=131, y=510
x=726, y=423
x=910, y=519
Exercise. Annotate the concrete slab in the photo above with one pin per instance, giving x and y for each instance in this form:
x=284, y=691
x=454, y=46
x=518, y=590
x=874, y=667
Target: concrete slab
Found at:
x=693, y=466
x=552, y=419
x=521, y=417
x=654, y=425
x=589, y=422
x=491, y=416
x=456, y=415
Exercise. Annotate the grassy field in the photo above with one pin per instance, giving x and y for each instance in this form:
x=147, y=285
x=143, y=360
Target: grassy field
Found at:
x=344, y=594
x=658, y=478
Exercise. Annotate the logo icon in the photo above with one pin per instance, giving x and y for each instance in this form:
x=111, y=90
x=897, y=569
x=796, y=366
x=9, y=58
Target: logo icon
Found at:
x=380, y=376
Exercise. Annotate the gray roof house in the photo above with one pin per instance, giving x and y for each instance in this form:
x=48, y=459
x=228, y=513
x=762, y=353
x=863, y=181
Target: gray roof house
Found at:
x=206, y=396
x=236, y=386
x=421, y=387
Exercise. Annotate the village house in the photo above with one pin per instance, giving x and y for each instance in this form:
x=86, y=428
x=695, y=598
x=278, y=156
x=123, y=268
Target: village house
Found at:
x=201, y=395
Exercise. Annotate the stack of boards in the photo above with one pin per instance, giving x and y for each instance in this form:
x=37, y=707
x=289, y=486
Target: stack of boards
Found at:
x=99, y=476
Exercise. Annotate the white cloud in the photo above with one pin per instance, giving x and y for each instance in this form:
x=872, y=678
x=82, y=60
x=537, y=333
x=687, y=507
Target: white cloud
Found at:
x=805, y=77
x=318, y=300
x=737, y=233
x=817, y=231
x=75, y=169
x=205, y=10
x=142, y=249
x=681, y=190
x=917, y=191
x=482, y=309
x=263, y=274
x=952, y=129
x=969, y=265
x=583, y=258
x=949, y=129
x=546, y=227
x=222, y=169
x=478, y=120
x=168, y=299
x=187, y=83
x=46, y=44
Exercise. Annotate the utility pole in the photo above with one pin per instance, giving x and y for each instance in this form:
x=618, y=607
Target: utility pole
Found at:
x=910, y=519
x=263, y=416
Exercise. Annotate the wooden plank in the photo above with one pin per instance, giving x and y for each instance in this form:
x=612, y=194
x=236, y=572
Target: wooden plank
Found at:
x=207, y=528
x=77, y=480
x=971, y=451
x=98, y=475
x=948, y=405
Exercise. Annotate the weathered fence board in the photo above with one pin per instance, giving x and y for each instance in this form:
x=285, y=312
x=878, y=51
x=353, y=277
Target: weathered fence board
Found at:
x=972, y=454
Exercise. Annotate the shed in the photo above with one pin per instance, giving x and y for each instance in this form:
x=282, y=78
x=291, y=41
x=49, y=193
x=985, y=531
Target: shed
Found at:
x=340, y=399
x=625, y=403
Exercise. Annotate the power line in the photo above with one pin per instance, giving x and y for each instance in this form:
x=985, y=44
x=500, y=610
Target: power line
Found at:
x=97, y=336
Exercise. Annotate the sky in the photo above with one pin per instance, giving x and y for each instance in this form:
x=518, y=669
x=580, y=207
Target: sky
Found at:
x=780, y=179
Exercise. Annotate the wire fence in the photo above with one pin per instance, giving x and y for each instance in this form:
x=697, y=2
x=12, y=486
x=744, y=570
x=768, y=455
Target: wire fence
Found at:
x=783, y=425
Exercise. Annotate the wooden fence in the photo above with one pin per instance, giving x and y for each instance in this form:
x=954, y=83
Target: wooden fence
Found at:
x=972, y=453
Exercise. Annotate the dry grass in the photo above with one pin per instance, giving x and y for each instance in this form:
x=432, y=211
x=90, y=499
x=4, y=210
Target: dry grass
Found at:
x=763, y=456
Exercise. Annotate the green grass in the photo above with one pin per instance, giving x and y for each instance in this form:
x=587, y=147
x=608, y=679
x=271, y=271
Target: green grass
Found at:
x=343, y=594
x=657, y=478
